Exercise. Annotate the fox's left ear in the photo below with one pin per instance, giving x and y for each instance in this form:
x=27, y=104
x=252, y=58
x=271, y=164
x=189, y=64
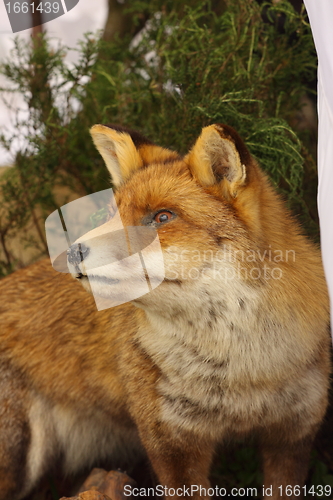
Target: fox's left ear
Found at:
x=220, y=156
x=118, y=150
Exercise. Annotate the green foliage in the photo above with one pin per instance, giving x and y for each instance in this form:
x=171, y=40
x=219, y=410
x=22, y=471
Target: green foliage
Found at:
x=320, y=478
x=233, y=68
x=194, y=64
x=238, y=467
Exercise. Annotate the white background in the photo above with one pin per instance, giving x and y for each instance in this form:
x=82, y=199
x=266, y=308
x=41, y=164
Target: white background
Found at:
x=320, y=13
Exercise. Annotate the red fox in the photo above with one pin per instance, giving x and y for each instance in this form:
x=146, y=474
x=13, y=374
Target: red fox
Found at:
x=234, y=341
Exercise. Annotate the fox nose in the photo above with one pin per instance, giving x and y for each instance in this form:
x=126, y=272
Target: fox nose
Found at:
x=77, y=253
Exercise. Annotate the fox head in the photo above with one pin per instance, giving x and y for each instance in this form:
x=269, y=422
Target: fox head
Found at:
x=201, y=210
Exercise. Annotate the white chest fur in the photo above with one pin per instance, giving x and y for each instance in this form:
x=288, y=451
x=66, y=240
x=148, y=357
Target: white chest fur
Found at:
x=224, y=366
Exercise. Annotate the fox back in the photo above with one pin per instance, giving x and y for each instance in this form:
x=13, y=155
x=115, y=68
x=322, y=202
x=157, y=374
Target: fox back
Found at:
x=233, y=341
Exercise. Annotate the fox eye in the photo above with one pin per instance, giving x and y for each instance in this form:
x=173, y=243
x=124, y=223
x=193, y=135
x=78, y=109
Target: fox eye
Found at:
x=163, y=216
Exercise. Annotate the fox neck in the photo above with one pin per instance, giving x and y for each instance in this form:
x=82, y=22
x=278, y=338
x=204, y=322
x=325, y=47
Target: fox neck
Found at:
x=210, y=319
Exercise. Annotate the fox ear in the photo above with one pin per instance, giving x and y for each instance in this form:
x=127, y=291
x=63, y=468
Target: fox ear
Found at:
x=219, y=156
x=118, y=151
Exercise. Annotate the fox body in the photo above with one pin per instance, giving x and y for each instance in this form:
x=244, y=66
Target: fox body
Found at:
x=233, y=341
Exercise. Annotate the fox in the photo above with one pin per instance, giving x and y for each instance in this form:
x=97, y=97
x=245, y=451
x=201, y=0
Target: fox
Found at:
x=234, y=340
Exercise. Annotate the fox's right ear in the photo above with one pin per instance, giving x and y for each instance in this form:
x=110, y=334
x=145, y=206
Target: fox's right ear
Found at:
x=118, y=151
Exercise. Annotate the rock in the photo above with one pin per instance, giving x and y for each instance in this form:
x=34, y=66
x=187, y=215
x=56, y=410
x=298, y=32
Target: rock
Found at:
x=103, y=485
x=88, y=495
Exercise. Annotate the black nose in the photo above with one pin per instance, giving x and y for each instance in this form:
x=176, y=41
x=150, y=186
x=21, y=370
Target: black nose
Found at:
x=77, y=253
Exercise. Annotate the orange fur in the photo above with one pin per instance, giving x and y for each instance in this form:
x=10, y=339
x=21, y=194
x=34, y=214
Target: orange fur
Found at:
x=234, y=341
